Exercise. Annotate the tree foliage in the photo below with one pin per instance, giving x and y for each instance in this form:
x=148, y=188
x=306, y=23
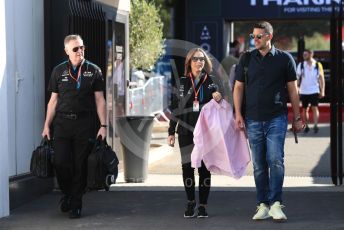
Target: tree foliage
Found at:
x=165, y=13
x=145, y=39
x=314, y=42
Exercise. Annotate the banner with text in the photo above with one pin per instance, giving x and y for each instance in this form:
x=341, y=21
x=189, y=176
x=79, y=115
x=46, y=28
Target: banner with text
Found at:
x=278, y=9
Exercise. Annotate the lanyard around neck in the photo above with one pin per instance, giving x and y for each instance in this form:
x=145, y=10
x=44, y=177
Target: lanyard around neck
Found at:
x=193, y=85
x=79, y=72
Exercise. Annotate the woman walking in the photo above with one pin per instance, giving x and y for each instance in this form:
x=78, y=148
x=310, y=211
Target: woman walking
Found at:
x=196, y=88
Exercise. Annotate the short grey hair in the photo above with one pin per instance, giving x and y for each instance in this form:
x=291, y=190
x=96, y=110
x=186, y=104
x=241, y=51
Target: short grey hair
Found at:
x=71, y=37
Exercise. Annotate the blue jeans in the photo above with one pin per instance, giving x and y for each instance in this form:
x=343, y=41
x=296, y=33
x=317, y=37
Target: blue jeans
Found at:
x=267, y=145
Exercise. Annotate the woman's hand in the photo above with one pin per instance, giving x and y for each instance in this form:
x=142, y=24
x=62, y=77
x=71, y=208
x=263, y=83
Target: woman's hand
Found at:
x=217, y=96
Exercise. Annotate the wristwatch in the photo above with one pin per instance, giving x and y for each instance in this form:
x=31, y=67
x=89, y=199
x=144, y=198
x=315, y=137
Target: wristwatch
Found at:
x=103, y=126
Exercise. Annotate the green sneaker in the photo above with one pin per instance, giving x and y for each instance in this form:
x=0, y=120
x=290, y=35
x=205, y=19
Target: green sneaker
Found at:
x=262, y=212
x=277, y=213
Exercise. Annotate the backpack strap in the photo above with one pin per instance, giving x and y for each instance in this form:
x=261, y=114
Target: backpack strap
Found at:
x=246, y=59
x=317, y=67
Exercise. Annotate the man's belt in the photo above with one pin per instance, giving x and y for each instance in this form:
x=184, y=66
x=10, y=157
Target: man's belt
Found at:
x=72, y=116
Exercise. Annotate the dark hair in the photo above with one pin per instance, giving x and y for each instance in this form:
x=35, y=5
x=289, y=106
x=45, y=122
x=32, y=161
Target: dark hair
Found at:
x=264, y=25
x=187, y=65
x=308, y=51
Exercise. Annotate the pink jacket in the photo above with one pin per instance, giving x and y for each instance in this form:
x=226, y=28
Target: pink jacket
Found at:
x=223, y=149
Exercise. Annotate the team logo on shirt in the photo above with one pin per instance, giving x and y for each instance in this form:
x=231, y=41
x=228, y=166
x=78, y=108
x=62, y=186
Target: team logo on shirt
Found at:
x=278, y=99
x=87, y=74
x=212, y=86
x=65, y=73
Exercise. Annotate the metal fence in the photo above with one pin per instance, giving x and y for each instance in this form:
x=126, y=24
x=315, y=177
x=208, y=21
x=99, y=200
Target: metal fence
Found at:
x=150, y=99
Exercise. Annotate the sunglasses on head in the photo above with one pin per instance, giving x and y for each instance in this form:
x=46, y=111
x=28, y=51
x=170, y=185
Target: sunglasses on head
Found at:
x=258, y=36
x=195, y=59
x=75, y=49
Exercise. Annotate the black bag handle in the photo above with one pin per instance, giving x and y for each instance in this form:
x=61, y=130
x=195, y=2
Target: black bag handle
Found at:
x=101, y=142
x=46, y=142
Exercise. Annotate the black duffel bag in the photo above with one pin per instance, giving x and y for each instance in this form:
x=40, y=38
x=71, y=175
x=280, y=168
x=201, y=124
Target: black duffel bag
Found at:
x=102, y=167
x=42, y=160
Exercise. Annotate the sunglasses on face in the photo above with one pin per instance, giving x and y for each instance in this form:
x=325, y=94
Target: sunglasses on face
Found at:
x=195, y=59
x=258, y=36
x=75, y=49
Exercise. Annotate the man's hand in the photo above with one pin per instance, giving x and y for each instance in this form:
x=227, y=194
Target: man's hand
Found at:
x=297, y=125
x=321, y=94
x=171, y=139
x=102, y=133
x=46, y=132
x=239, y=122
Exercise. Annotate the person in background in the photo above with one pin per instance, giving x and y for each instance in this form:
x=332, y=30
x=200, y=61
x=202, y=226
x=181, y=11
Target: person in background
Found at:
x=311, y=80
x=77, y=94
x=227, y=66
x=194, y=89
x=270, y=77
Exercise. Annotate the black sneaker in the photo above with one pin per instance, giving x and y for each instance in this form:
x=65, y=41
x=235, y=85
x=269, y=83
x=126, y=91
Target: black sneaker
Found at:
x=316, y=129
x=202, y=213
x=65, y=204
x=306, y=129
x=75, y=213
x=190, y=209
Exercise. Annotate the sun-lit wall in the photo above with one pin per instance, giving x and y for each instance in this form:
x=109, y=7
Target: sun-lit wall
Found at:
x=119, y=4
x=4, y=192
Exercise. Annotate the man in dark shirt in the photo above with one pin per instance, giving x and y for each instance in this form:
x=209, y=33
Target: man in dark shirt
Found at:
x=270, y=76
x=77, y=94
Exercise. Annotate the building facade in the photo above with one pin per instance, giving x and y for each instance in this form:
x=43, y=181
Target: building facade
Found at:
x=25, y=67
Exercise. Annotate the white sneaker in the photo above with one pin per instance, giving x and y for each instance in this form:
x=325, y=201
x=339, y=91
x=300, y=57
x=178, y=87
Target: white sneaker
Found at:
x=276, y=212
x=262, y=212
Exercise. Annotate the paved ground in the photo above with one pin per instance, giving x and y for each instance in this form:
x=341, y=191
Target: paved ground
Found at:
x=312, y=202
x=164, y=210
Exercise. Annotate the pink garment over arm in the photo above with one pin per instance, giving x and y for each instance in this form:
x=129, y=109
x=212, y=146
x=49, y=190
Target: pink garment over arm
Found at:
x=223, y=149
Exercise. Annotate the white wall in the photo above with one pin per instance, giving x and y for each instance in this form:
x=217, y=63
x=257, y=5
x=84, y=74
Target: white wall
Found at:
x=25, y=61
x=4, y=196
x=21, y=105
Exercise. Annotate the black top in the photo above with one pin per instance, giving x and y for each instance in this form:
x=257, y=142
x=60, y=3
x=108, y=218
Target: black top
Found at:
x=71, y=98
x=266, y=92
x=182, y=102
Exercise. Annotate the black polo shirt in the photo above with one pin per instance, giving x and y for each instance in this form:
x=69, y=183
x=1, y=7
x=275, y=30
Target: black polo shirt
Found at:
x=71, y=98
x=266, y=92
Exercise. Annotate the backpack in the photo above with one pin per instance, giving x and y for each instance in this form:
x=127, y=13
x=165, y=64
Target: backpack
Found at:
x=41, y=164
x=102, y=167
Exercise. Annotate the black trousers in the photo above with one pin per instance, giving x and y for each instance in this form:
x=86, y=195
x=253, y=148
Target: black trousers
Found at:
x=186, y=146
x=72, y=145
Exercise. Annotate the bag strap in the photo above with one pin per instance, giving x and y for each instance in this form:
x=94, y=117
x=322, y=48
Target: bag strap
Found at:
x=246, y=59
